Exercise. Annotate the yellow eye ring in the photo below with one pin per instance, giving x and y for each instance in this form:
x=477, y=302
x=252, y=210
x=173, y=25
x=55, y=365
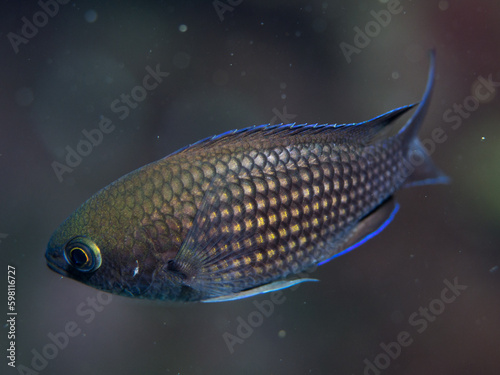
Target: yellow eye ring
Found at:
x=83, y=254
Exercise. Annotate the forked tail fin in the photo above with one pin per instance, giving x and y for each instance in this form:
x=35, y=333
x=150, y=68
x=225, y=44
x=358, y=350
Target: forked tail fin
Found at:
x=420, y=167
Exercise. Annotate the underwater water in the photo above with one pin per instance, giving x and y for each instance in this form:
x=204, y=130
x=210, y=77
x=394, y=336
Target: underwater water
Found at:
x=90, y=91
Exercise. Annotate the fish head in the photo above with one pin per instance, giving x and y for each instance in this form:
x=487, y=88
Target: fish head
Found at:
x=102, y=247
x=88, y=257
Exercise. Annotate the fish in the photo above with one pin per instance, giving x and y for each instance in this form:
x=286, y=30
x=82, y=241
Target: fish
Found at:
x=245, y=212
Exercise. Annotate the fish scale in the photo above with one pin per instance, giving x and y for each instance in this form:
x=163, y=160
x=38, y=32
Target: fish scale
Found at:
x=244, y=212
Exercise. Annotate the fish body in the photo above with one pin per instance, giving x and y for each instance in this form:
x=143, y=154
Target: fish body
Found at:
x=244, y=212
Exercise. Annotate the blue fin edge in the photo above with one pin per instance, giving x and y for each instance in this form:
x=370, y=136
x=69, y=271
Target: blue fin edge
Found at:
x=263, y=289
x=367, y=238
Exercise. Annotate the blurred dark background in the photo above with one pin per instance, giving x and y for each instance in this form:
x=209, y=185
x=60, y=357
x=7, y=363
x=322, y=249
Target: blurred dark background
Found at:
x=256, y=62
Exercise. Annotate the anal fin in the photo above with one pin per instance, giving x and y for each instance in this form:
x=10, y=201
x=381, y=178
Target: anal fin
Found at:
x=267, y=288
x=371, y=225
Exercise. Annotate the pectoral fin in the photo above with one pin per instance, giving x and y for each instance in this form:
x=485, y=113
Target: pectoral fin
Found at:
x=271, y=287
x=369, y=227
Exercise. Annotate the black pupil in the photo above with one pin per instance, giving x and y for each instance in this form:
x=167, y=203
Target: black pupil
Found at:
x=78, y=257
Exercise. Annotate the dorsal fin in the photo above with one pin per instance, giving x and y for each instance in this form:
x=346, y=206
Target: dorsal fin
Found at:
x=364, y=132
x=371, y=131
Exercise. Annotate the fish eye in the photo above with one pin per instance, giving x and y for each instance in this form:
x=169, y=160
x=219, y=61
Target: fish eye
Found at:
x=83, y=254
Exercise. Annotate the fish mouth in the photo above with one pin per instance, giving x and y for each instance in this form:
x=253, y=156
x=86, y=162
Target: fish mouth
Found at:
x=53, y=263
x=56, y=268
